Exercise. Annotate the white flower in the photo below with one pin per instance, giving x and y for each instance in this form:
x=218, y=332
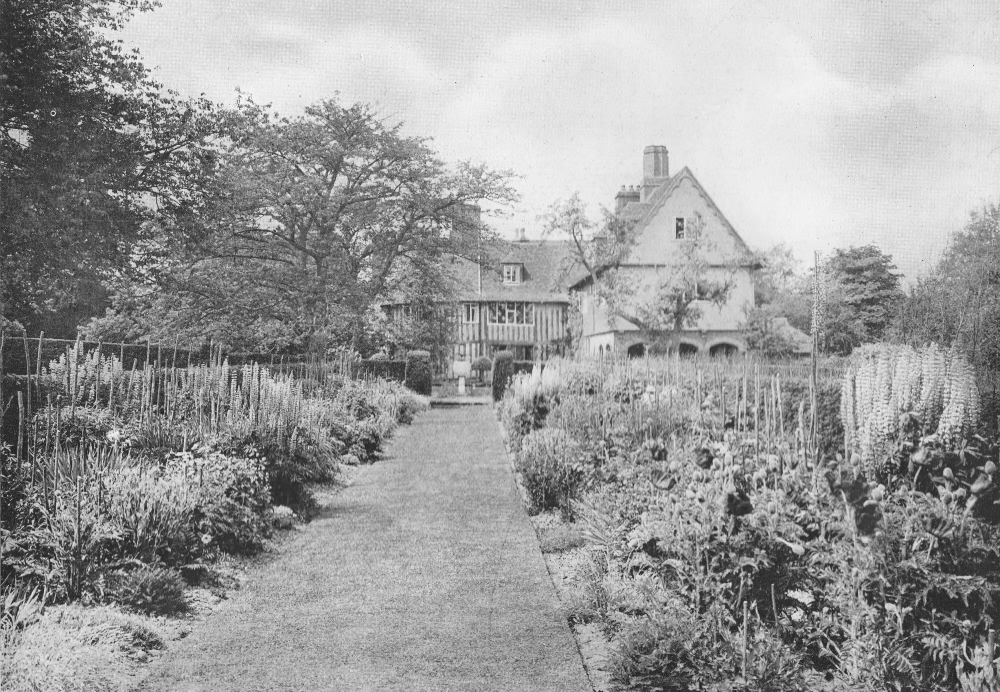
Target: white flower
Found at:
x=206, y=538
x=114, y=435
x=803, y=597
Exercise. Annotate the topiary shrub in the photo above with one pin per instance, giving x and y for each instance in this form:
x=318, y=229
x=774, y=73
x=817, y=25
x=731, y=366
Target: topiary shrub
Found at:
x=503, y=370
x=481, y=365
x=418, y=372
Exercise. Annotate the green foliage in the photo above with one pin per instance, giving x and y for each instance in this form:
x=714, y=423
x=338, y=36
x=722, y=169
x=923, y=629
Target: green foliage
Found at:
x=418, y=372
x=482, y=364
x=550, y=466
x=90, y=147
x=342, y=234
x=148, y=589
x=958, y=303
x=871, y=285
x=764, y=336
x=689, y=515
x=503, y=370
x=114, y=500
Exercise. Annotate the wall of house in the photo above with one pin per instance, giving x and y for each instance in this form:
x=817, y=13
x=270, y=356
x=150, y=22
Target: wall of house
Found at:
x=546, y=336
x=728, y=315
x=658, y=243
x=549, y=325
x=658, y=251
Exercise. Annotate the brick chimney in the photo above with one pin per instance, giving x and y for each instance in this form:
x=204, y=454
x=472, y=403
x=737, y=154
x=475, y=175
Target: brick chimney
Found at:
x=626, y=196
x=655, y=170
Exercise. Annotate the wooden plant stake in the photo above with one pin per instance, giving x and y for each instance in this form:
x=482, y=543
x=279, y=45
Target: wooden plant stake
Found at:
x=774, y=607
x=746, y=624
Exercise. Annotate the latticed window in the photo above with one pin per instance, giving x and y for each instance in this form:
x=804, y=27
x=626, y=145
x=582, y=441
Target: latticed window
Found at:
x=511, y=313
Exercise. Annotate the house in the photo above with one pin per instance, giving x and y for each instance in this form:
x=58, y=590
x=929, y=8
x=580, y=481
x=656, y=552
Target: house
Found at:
x=514, y=299
x=676, y=221
x=518, y=296
x=517, y=301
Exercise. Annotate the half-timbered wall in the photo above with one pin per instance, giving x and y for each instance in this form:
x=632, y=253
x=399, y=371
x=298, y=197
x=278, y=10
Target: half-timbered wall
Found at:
x=545, y=333
x=479, y=335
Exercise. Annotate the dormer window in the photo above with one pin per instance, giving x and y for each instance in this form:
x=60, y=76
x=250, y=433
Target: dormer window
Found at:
x=512, y=273
x=680, y=226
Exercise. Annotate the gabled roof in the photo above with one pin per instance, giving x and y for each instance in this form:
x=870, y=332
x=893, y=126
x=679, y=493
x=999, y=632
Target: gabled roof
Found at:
x=655, y=203
x=544, y=276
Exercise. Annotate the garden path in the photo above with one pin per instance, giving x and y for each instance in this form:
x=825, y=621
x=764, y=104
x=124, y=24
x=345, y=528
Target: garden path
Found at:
x=424, y=574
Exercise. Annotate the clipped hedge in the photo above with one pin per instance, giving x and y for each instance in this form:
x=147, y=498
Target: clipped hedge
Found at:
x=503, y=370
x=418, y=372
x=381, y=368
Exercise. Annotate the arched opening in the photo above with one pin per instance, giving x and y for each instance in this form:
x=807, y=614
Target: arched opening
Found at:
x=724, y=350
x=687, y=350
x=637, y=350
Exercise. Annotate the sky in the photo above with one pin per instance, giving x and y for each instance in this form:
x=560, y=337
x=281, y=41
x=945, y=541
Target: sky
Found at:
x=819, y=124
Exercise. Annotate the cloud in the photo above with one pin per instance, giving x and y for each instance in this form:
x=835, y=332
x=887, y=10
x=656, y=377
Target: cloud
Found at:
x=827, y=124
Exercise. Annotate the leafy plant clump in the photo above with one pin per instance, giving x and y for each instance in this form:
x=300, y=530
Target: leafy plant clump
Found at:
x=148, y=589
x=503, y=370
x=418, y=372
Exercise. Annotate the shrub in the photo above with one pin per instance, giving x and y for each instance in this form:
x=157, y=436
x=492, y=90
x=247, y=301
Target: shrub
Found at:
x=503, y=370
x=482, y=364
x=549, y=463
x=233, y=496
x=418, y=372
x=150, y=590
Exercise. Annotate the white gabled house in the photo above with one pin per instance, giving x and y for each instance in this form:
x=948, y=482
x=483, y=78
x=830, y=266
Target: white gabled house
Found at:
x=674, y=218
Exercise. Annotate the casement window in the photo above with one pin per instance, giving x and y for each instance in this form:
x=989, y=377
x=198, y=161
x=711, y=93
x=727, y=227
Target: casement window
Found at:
x=511, y=313
x=470, y=313
x=512, y=273
x=680, y=228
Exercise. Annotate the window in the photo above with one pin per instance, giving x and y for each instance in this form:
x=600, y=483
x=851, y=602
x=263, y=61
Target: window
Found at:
x=680, y=228
x=461, y=351
x=511, y=313
x=470, y=313
x=512, y=273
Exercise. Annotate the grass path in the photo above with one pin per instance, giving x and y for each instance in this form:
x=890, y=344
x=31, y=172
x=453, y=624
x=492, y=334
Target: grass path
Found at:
x=425, y=574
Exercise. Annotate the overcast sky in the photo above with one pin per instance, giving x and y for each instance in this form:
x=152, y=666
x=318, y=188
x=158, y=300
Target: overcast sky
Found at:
x=820, y=124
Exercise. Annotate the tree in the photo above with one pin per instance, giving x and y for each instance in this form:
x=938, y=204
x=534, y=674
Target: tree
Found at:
x=311, y=220
x=959, y=302
x=782, y=287
x=90, y=151
x=764, y=334
x=662, y=302
x=867, y=288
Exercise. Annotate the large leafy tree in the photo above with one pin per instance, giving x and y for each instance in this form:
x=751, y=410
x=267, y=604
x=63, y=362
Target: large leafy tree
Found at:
x=959, y=302
x=867, y=289
x=91, y=149
x=307, y=223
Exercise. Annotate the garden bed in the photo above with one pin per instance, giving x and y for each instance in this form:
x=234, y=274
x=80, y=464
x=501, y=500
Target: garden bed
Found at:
x=131, y=499
x=730, y=545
